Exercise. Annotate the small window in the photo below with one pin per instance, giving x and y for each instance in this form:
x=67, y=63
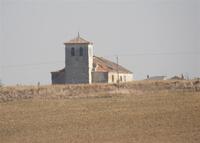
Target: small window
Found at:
x=72, y=51
x=81, y=51
x=120, y=78
x=113, y=78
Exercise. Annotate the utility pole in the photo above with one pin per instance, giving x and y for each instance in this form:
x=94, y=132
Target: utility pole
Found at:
x=117, y=72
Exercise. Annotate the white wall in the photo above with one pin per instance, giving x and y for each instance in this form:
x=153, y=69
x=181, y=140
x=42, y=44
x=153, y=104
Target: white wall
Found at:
x=125, y=77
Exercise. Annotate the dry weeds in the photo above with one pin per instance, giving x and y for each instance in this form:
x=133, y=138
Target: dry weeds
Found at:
x=141, y=112
x=76, y=91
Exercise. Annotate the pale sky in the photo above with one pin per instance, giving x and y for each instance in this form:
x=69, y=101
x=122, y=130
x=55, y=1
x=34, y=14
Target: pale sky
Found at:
x=155, y=37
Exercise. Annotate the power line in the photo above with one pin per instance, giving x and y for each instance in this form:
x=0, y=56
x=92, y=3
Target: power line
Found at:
x=33, y=64
x=119, y=55
x=158, y=54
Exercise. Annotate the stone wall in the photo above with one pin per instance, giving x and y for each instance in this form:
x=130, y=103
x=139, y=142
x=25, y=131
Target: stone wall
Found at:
x=78, y=68
x=58, y=78
x=99, y=77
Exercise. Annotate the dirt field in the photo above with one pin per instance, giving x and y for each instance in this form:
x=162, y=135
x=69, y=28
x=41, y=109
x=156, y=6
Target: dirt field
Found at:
x=161, y=116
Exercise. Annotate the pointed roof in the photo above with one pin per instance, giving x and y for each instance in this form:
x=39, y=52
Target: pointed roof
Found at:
x=78, y=40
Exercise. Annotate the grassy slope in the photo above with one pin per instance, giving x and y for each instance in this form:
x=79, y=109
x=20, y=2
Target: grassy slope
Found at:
x=161, y=117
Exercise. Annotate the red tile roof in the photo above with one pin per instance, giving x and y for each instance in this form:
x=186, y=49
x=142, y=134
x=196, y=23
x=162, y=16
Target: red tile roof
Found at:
x=103, y=65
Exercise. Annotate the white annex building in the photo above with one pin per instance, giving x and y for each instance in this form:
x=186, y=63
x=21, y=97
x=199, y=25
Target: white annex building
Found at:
x=81, y=66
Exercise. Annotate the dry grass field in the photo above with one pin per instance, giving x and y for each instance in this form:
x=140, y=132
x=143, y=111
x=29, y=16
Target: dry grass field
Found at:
x=139, y=112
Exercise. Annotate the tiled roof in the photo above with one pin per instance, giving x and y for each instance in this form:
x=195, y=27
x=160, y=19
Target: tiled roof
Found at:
x=59, y=71
x=103, y=65
x=78, y=40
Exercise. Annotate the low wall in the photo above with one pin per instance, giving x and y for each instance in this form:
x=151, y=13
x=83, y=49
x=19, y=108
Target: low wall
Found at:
x=95, y=90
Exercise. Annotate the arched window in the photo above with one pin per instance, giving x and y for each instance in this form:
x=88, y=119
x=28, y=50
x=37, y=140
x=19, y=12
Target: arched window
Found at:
x=81, y=51
x=72, y=51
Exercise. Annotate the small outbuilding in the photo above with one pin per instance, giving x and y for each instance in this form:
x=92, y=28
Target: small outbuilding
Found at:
x=156, y=77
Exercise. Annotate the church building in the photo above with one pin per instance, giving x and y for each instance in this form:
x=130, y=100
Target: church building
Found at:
x=81, y=66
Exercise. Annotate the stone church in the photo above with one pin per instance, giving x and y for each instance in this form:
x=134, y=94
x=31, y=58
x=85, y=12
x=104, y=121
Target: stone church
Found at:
x=81, y=66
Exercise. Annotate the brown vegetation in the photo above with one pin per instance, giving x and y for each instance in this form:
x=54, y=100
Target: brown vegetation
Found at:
x=74, y=91
x=139, y=112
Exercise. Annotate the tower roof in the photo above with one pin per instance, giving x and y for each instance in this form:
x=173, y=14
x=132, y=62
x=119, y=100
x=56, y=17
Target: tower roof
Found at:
x=78, y=40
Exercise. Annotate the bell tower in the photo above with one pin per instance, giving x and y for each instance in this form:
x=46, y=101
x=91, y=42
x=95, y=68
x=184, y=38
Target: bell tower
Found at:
x=78, y=61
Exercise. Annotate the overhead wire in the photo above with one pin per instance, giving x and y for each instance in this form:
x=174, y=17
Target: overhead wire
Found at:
x=109, y=55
